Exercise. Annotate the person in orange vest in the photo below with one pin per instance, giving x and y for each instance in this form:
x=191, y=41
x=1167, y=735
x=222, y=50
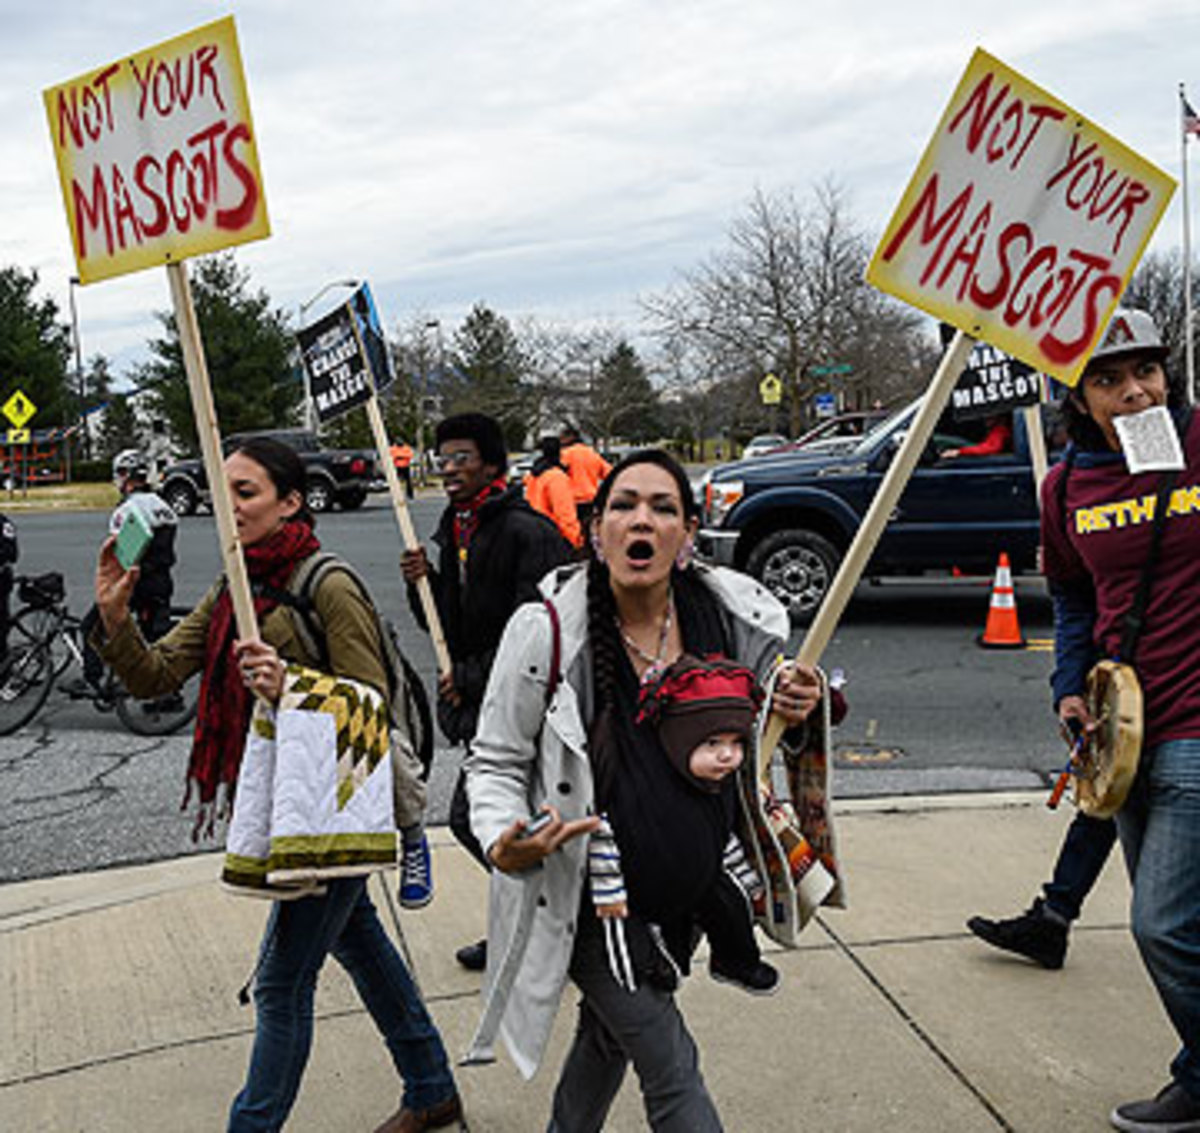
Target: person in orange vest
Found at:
x=548, y=490
x=402, y=455
x=586, y=468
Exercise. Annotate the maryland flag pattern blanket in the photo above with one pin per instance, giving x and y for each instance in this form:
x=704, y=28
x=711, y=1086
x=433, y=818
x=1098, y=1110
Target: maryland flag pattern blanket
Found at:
x=314, y=794
x=792, y=839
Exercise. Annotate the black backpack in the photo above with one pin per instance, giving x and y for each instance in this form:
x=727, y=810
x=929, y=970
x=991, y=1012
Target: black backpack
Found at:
x=407, y=699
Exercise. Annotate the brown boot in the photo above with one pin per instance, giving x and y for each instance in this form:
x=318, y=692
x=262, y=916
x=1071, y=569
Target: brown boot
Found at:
x=406, y=1120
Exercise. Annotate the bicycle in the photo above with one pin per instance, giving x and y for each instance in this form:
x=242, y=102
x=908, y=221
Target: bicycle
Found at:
x=45, y=639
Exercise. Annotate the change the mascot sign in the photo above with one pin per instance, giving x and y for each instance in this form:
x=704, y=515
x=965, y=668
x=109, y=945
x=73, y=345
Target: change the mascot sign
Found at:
x=1022, y=222
x=157, y=155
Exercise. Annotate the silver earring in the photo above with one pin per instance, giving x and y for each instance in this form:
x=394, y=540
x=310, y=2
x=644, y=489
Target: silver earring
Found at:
x=596, y=549
x=684, y=559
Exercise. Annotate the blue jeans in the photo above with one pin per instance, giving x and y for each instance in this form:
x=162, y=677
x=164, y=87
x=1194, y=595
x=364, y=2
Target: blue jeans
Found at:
x=1084, y=851
x=1160, y=834
x=299, y=935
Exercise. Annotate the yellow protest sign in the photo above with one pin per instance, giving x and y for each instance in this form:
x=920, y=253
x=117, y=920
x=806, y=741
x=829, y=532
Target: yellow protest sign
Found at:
x=157, y=155
x=18, y=408
x=18, y=436
x=1022, y=223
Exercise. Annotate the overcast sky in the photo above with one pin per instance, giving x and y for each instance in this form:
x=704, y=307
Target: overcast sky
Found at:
x=558, y=159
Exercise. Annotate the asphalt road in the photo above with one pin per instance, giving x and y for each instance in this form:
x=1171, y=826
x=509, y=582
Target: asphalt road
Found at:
x=929, y=709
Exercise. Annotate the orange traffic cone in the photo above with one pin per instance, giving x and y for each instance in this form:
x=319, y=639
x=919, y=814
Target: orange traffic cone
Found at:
x=1002, y=630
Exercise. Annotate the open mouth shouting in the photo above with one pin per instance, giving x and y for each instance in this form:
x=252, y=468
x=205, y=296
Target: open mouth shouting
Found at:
x=640, y=552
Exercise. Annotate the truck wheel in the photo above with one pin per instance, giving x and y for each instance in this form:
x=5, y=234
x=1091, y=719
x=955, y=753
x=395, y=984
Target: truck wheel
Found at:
x=319, y=495
x=352, y=499
x=797, y=567
x=181, y=497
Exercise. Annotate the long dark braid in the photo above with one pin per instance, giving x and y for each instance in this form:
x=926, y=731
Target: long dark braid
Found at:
x=606, y=656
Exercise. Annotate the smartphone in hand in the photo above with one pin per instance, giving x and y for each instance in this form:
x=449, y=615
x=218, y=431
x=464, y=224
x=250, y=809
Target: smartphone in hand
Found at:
x=544, y=818
x=133, y=539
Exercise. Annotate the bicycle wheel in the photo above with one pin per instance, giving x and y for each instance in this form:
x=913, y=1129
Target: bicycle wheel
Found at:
x=162, y=715
x=26, y=676
x=46, y=627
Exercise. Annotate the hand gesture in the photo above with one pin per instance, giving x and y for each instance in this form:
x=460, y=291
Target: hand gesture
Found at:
x=114, y=587
x=1073, y=714
x=414, y=565
x=262, y=668
x=797, y=692
x=514, y=851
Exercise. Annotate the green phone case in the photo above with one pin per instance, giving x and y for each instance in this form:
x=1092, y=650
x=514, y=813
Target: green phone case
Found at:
x=133, y=539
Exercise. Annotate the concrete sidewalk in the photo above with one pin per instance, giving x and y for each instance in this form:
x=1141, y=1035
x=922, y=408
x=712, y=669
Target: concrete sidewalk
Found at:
x=119, y=1013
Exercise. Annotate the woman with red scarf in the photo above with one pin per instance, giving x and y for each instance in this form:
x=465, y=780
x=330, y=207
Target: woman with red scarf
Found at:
x=266, y=480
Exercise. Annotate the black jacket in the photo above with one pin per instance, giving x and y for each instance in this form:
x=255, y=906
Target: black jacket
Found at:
x=513, y=548
x=154, y=587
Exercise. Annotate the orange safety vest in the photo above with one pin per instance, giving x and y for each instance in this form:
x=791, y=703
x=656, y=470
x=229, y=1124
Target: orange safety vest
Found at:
x=586, y=468
x=551, y=494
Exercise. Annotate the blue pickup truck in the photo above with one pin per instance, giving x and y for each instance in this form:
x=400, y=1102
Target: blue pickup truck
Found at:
x=787, y=519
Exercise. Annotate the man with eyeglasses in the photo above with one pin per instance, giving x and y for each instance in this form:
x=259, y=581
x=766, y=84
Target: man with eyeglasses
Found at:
x=492, y=551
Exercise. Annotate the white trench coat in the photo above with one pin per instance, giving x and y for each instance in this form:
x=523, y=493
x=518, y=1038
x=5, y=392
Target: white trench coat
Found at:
x=527, y=753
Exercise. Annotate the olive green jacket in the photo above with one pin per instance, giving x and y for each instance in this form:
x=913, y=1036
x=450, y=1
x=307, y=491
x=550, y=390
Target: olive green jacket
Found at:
x=352, y=638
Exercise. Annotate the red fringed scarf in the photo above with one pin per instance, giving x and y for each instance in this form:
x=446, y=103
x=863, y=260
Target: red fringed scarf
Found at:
x=223, y=714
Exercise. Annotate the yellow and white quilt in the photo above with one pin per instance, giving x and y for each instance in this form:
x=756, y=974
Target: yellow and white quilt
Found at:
x=314, y=794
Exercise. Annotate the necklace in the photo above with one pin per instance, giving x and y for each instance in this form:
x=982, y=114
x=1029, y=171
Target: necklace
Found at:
x=655, y=661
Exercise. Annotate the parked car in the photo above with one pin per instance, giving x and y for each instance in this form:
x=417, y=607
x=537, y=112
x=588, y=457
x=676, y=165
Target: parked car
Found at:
x=518, y=465
x=761, y=445
x=842, y=431
x=788, y=519
x=335, y=476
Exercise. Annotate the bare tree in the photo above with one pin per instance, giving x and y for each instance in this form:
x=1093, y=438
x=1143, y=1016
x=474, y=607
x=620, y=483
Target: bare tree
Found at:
x=787, y=295
x=1157, y=288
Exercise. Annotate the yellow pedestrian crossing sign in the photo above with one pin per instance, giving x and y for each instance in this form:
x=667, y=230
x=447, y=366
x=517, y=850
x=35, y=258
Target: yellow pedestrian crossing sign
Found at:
x=18, y=436
x=770, y=389
x=18, y=409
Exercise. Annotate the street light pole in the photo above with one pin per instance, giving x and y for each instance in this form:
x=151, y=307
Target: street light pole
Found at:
x=423, y=395
x=309, y=418
x=79, y=390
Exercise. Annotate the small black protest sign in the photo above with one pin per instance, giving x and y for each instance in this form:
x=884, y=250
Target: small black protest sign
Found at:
x=992, y=383
x=337, y=372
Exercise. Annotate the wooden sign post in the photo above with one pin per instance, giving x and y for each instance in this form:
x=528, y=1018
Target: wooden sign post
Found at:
x=157, y=161
x=1020, y=227
x=408, y=533
x=210, y=446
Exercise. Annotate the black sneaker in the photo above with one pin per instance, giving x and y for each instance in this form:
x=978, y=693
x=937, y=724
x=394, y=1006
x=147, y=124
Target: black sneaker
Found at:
x=759, y=979
x=473, y=957
x=1034, y=934
x=1173, y=1110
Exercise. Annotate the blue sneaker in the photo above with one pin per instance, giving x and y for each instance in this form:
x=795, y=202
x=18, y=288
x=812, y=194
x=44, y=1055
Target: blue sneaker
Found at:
x=416, y=875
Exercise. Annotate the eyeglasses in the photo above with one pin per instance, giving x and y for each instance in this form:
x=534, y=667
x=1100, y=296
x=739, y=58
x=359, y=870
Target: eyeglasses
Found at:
x=444, y=462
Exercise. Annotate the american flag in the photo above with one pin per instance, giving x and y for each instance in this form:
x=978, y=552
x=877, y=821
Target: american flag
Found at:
x=1191, y=120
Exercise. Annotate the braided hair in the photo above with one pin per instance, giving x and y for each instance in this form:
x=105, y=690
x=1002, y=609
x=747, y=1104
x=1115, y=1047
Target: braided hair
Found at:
x=603, y=636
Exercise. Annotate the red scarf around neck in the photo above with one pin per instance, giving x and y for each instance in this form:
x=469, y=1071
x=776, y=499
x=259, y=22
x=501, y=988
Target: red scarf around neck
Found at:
x=223, y=714
x=466, y=518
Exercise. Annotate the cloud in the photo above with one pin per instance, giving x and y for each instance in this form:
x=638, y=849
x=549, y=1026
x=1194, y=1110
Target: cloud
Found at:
x=561, y=159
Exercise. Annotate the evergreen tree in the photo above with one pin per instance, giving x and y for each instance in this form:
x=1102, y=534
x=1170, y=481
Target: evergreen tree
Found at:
x=490, y=371
x=248, y=348
x=118, y=431
x=623, y=403
x=97, y=396
x=35, y=349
